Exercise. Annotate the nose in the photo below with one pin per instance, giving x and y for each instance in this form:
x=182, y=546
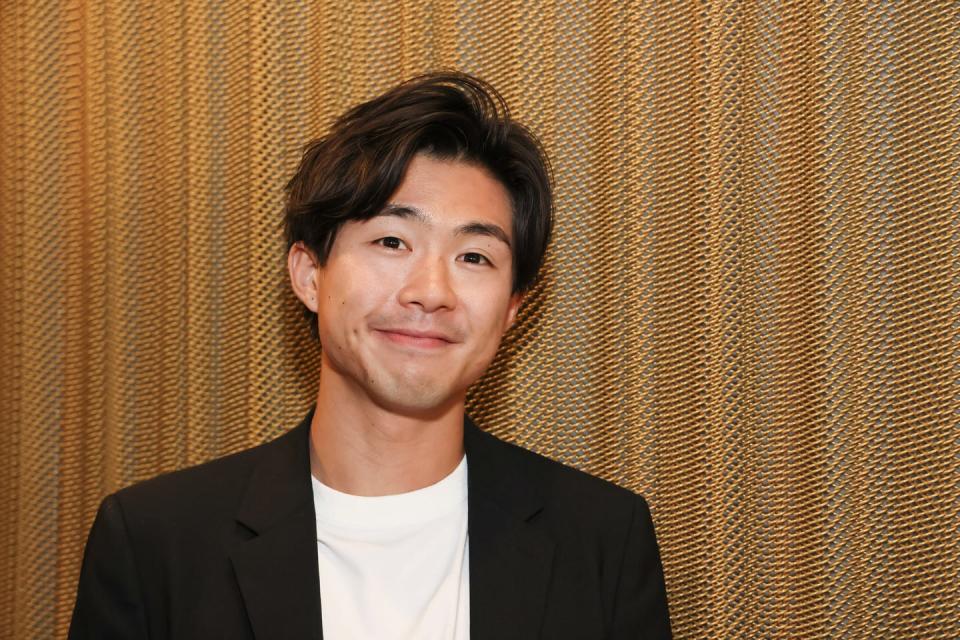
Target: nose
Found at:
x=428, y=286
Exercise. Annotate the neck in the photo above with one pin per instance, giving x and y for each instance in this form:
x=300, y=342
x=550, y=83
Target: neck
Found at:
x=361, y=448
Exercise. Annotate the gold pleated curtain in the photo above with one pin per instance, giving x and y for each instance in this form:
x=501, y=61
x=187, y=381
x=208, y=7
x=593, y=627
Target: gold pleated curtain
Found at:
x=750, y=314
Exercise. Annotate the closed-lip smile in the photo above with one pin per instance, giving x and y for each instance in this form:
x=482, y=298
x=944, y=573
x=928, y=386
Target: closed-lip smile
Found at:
x=414, y=337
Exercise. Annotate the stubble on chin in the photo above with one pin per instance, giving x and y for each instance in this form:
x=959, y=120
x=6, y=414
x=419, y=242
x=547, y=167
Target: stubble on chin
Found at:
x=410, y=395
x=403, y=392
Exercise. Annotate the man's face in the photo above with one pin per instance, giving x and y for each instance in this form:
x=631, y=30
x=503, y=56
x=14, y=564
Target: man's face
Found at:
x=412, y=303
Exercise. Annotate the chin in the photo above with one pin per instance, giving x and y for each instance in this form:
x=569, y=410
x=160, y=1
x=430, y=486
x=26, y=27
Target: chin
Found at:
x=421, y=400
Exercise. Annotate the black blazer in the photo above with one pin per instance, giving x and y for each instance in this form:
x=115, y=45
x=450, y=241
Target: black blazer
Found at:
x=228, y=549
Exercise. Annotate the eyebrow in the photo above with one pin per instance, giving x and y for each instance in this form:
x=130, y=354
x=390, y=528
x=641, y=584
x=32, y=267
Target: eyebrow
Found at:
x=471, y=228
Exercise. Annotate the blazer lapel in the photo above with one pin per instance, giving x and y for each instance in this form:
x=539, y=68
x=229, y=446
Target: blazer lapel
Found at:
x=510, y=561
x=277, y=569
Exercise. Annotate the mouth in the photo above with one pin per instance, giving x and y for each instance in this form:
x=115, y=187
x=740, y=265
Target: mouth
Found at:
x=412, y=338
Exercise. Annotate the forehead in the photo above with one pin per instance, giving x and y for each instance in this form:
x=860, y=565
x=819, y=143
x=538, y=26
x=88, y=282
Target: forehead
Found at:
x=452, y=192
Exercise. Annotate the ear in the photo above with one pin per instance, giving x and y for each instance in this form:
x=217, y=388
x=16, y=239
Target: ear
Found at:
x=302, y=265
x=515, y=301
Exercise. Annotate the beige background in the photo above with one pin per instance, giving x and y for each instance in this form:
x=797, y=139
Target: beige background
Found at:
x=751, y=311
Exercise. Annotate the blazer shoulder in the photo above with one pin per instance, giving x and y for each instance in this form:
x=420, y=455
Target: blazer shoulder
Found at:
x=576, y=489
x=212, y=485
x=567, y=487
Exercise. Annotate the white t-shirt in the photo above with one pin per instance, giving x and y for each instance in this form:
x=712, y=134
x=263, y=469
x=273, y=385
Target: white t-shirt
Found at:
x=395, y=566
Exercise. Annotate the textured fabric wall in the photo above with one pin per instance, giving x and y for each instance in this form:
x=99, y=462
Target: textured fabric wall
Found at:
x=751, y=311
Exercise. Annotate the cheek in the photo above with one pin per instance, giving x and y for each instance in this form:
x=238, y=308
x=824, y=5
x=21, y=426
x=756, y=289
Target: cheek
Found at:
x=487, y=316
x=351, y=293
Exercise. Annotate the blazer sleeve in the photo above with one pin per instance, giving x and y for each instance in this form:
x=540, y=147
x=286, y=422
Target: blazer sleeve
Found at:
x=109, y=602
x=640, y=609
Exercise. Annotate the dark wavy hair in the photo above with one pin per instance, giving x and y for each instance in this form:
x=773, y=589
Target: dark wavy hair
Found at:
x=350, y=173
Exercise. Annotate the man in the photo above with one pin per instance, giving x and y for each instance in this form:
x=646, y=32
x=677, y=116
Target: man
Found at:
x=415, y=227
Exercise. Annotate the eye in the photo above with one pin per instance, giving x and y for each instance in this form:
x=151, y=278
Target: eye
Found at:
x=390, y=242
x=476, y=258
